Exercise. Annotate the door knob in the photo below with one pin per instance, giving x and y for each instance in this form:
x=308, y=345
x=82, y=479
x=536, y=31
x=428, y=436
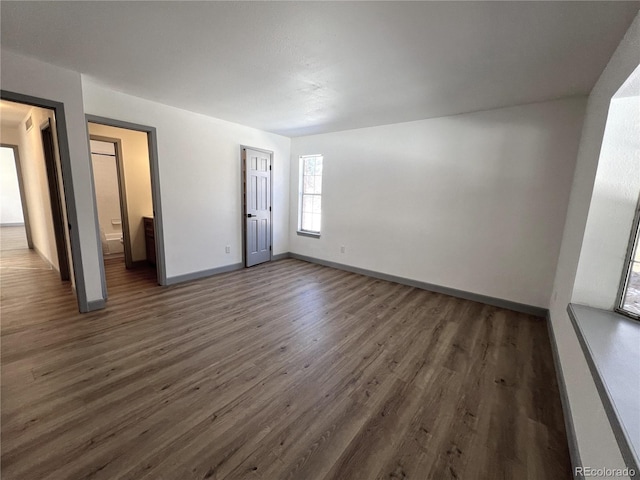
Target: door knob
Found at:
x=249, y=215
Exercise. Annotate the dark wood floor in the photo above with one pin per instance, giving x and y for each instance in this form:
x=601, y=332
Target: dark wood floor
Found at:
x=283, y=371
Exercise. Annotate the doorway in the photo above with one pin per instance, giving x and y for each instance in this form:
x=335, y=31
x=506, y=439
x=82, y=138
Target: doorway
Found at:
x=124, y=165
x=256, y=201
x=111, y=200
x=11, y=118
x=13, y=205
x=35, y=232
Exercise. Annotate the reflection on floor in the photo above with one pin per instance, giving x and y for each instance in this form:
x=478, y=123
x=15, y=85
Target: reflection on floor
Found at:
x=120, y=280
x=13, y=238
x=283, y=370
x=15, y=253
x=15, y=256
x=29, y=283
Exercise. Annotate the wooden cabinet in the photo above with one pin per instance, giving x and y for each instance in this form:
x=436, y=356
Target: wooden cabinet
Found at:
x=150, y=239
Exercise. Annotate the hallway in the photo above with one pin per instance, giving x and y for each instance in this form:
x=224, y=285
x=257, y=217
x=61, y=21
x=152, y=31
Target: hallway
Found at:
x=15, y=253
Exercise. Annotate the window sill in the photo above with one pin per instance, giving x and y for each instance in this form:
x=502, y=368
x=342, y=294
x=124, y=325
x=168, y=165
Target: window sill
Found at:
x=308, y=234
x=610, y=345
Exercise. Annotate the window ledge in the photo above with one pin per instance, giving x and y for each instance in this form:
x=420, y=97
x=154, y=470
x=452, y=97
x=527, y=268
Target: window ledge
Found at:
x=610, y=343
x=302, y=233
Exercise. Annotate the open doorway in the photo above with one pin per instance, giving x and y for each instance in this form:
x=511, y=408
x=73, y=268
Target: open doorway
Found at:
x=14, y=213
x=34, y=216
x=108, y=178
x=14, y=233
x=122, y=161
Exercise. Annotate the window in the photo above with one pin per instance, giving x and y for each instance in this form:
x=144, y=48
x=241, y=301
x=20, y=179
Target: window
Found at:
x=310, y=202
x=629, y=297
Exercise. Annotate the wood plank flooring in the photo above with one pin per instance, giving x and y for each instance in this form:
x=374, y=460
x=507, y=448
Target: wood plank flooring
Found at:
x=13, y=238
x=15, y=253
x=287, y=370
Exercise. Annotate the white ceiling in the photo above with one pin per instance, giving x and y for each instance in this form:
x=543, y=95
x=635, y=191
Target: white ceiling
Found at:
x=298, y=68
x=630, y=88
x=12, y=114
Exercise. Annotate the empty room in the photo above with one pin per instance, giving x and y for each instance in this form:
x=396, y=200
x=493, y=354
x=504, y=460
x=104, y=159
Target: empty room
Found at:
x=320, y=240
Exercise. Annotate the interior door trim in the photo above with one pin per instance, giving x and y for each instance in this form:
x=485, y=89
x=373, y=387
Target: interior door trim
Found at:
x=124, y=210
x=67, y=185
x=56, y=198
x=156, y=197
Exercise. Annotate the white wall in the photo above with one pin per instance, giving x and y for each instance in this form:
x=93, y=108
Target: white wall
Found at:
x=474, y=202
x=612, y=209
x=199, y=169
x=31, y=77
x=137, y=179
x=10, y=204
x=595, y=439
x=9, y=135
x=36, y=186
x=105, y=175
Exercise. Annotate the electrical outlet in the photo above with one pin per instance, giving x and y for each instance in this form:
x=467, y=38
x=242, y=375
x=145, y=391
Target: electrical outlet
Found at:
x=342, y=249
x=227, y=249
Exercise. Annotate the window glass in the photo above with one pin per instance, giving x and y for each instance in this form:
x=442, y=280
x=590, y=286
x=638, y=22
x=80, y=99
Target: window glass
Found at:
x=310, y=205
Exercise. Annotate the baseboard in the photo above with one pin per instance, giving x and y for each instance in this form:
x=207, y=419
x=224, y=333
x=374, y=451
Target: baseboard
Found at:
x=569, y=427
x=476, y=297
x=96, y=305
x=280, y=256
x=203, y=273
x=45, y=259
x=11, y=224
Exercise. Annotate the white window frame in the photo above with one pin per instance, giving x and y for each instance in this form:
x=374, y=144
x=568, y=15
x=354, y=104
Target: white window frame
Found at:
x=301, y=194
x=634, y=241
